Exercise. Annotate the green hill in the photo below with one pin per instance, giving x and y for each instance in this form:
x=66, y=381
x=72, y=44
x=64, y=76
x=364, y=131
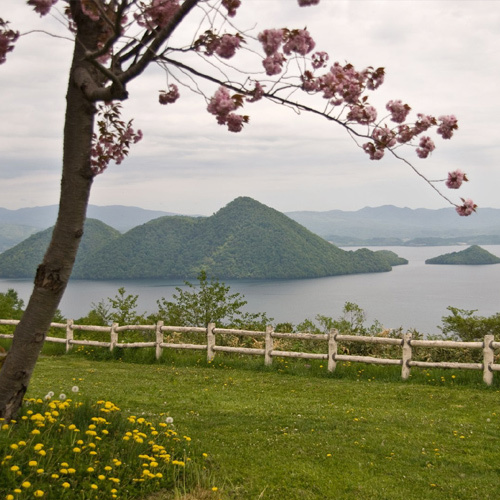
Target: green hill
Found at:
x=22, y=260
x=245, y=239
x=472, y=256
x=392, y=258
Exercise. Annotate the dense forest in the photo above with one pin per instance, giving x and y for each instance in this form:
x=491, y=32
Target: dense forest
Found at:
x=471, y=256
x=245, y=239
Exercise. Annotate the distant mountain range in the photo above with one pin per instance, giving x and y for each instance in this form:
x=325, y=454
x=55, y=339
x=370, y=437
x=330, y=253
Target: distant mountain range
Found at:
x=245, y=239
x=386, y=225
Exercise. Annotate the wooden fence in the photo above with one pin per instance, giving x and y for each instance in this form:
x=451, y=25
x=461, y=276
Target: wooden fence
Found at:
x=332, y=340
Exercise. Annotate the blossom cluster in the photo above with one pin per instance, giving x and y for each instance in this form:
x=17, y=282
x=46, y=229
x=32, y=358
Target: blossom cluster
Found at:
x=231, y=6
x=42, y=6
x=7, y=39
x=222, y=105
x=224, y=46
x=297, y=41
x=113, y=141
x=157, y=13
x=169, y=97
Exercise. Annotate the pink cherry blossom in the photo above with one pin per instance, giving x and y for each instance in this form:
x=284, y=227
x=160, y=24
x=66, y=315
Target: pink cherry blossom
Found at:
x=227, y=46
x=467, y=207
x=235, y=122
x=231, y=6
x=398, y=110
x=42, y=6
x=169, y=97
x=448, y=124
x=384, y=137
x=221, y=105
x=271, y=40
x=304, y=3
x=157, y=14
x=257, y=93
x=274, y=64
x=299, y=41
x=405, y=134
x=319, y=60
x=374, y=78
x=455, y=179
x=7, y=39
x=423, y=123
x=362, y=114
x=374, y=152
x=426, y=146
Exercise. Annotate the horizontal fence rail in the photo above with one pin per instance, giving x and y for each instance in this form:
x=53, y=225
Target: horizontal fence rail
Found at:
x=331, y=340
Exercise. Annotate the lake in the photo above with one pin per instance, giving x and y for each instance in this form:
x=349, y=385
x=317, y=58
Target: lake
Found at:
x=411, y=296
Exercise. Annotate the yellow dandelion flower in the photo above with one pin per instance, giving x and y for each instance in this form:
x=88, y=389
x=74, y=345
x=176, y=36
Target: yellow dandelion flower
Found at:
x=65, y=485
x=26, y=484
x=101, y=477
x=35, y=432
x=77, y=450
x=214, y=488
x=55, y=476
x=90, y=469
x=14, y=468
x=40, y=471
x=32, y=463
x=94, y=486
x=38, y=493
x=14, y=446
x=108, y=468
x=71, y=471
x=9, y=497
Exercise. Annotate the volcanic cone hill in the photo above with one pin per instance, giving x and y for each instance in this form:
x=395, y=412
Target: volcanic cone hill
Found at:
x=245, y=239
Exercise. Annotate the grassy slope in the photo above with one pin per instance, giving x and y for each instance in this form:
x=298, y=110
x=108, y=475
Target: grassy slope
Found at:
x=297, y=433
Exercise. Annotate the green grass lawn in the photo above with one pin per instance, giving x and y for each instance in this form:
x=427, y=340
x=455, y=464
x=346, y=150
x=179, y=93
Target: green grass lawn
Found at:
x=294, y=431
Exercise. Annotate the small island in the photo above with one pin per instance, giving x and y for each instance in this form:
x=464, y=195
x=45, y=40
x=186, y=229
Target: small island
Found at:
x=472, y=256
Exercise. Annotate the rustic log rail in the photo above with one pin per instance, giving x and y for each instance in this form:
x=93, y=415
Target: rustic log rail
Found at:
x=331, y=339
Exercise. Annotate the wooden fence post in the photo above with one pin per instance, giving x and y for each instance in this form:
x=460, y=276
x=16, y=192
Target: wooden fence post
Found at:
x=159, y=339
x=210, y=341
x=268, y=359
x=113, y=336
x=332, y=349
x=69, y=334
x=488, y=359
x=405, y=370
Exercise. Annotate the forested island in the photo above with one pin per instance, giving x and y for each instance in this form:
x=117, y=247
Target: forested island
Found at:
x=472, y=256
x=245, y=239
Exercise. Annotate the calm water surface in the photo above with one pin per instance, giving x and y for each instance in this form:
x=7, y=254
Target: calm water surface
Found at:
x=411, y=296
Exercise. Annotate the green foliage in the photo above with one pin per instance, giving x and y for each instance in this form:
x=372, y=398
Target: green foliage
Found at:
x=11, y=306
x=208, y=302
x=464, y=325
x=471, y=256
x=121, y=309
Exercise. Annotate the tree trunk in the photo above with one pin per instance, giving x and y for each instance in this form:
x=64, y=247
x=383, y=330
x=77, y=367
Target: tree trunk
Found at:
x=53, y=273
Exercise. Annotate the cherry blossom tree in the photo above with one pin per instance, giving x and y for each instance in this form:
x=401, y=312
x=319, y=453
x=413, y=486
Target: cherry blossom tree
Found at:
x=116, y=41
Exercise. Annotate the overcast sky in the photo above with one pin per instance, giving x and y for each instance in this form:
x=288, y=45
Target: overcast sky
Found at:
x=441, y=57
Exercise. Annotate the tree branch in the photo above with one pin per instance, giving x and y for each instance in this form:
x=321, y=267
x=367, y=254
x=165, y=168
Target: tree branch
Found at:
x=152, y=50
